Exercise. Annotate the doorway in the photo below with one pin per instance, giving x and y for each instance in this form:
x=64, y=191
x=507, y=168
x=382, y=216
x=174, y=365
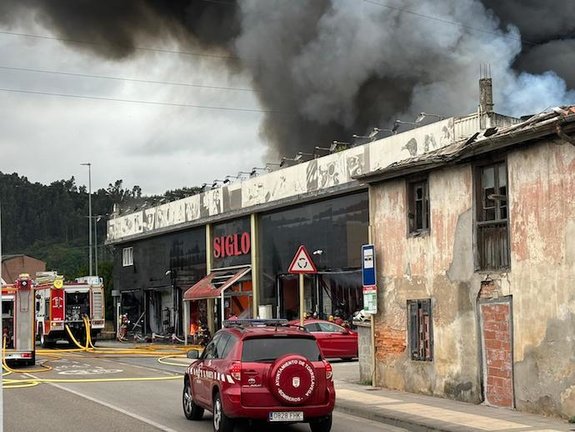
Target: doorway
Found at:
x=496, y=324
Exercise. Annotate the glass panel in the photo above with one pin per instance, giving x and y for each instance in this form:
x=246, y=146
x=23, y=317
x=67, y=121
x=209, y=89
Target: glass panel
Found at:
x=228, y=235
x=329, y=327
x=183, y=254
x=269, y=349
x=337, y=227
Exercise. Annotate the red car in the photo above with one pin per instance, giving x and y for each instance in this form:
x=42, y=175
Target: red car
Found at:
x=262, y=370
x=334, y=340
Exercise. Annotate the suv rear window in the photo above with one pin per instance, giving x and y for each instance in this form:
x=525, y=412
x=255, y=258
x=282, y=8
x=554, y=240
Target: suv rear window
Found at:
x=269, y=349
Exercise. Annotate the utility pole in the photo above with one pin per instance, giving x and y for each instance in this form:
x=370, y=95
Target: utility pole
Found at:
x=89, y=165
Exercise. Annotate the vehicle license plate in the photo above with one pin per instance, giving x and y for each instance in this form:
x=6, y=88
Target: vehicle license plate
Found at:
x=286, y=416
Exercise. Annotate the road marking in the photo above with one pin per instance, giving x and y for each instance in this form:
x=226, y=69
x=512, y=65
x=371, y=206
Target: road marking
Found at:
x=115, y=408
x=96, y=371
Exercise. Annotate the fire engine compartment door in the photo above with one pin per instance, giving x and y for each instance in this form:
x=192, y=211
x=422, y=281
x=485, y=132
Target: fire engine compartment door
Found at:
x=18, y=312
x=77, y=304
x=8, y=320
x=97, y=303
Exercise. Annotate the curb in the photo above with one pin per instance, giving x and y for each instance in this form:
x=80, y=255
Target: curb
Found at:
x=391, y=419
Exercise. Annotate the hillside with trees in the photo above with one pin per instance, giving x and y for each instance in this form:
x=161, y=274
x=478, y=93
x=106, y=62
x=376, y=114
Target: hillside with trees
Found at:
x=50, y=222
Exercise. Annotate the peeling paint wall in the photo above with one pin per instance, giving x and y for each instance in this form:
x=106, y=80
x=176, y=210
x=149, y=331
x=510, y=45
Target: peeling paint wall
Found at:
x=317, y=175
x=437, y=265
x=542, y=279
x=440, y=265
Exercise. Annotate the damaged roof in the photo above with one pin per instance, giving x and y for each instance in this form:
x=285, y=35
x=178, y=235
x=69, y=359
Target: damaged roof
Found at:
x=559, y=121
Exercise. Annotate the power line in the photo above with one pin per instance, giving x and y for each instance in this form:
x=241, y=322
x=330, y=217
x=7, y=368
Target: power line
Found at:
x=446, y=21
x=140, y=101
x=81, y=75
x=135, y=48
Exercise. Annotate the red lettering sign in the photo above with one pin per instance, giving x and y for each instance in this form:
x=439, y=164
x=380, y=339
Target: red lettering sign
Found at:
x=232, y=245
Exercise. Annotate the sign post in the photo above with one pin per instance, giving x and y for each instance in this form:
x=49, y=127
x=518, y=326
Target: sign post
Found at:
x=302, y=264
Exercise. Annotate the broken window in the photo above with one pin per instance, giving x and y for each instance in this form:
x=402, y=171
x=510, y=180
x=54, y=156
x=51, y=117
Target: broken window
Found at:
x=492, y=215
x=420, y=331
x=418, y=197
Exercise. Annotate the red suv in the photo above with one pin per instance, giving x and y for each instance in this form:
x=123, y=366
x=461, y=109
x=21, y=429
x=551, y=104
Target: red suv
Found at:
x=262, y=370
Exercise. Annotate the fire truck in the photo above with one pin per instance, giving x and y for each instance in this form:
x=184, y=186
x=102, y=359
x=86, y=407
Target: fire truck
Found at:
x=61, y=304
x=18, y=321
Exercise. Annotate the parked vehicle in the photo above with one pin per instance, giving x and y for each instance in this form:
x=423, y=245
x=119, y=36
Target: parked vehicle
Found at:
x=262, y=370
x=18, y=321
x=334, y=340
x=61, y=304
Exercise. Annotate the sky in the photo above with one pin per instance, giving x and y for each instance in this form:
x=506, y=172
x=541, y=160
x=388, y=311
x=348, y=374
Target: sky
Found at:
x=157, y=147
x=165, y=94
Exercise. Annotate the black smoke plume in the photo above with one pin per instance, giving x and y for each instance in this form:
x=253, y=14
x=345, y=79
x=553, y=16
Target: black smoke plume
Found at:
x=328, y=69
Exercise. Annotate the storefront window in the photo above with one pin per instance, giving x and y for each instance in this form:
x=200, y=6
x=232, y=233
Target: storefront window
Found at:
x=332, y=230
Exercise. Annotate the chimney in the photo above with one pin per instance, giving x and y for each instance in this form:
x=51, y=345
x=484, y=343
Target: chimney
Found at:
x=485, y=96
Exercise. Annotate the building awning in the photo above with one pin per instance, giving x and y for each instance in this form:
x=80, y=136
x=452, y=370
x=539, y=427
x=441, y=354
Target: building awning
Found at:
x=215, y=283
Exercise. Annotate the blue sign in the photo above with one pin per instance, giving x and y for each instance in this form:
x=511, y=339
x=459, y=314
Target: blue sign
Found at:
x=368, y=271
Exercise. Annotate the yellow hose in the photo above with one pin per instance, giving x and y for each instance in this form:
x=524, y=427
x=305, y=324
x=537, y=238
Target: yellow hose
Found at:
x=12, y=370
x=148, y=350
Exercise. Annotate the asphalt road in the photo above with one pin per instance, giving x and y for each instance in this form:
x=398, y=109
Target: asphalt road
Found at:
x=128, y=405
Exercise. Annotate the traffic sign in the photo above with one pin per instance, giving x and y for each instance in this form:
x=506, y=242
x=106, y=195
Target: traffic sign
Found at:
x=302, y=262
x=368, y=265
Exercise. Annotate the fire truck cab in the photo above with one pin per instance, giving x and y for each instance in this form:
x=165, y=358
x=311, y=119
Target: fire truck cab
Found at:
x=18, y=321
x=61, y=304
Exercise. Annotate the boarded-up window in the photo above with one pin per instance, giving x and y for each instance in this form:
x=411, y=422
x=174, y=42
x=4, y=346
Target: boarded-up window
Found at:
x=418, y=196
x=492, y=216
x=420, y=330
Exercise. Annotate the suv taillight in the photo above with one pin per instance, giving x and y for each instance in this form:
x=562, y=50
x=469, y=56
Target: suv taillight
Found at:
x=328, y=370
x=236, y=371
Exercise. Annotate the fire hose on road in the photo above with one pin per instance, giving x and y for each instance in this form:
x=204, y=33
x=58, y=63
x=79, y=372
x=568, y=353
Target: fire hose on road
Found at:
x=89, y=349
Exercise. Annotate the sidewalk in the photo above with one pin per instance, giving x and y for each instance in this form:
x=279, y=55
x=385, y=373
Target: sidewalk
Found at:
x=426, y=413
x=416, y=412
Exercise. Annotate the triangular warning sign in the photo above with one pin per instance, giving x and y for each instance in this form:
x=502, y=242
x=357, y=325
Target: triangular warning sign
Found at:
x=302, y=262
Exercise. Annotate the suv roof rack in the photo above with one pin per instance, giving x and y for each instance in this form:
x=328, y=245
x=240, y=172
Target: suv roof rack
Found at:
x=255, y=323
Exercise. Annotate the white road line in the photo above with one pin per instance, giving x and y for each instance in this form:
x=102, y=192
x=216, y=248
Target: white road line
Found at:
x=107, y=405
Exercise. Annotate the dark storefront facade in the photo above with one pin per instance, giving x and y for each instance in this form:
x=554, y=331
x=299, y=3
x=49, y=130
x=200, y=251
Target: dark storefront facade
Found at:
x=172, y=272
x=333, y=231
x=152, y=273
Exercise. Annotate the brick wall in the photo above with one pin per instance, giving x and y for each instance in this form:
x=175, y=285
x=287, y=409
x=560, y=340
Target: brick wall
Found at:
x=389, y=342
x=498, y=354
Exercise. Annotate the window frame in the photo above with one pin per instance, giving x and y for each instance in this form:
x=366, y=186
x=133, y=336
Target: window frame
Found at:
x=492, y=232
x=412, y=206
x=420, y=324
x=128, y=256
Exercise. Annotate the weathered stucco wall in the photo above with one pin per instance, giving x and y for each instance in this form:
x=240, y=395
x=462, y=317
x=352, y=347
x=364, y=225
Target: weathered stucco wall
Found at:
x=440, y=266
x=437, y=265
x=542, y=278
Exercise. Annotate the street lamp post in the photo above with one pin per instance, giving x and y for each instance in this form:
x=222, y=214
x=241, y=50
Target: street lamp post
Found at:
x=89, y=165
x=96, y=220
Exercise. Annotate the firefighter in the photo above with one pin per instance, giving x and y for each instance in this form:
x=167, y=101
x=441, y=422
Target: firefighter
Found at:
x=124, y=321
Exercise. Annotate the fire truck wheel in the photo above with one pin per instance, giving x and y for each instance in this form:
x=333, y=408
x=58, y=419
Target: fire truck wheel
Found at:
x=44, y=341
